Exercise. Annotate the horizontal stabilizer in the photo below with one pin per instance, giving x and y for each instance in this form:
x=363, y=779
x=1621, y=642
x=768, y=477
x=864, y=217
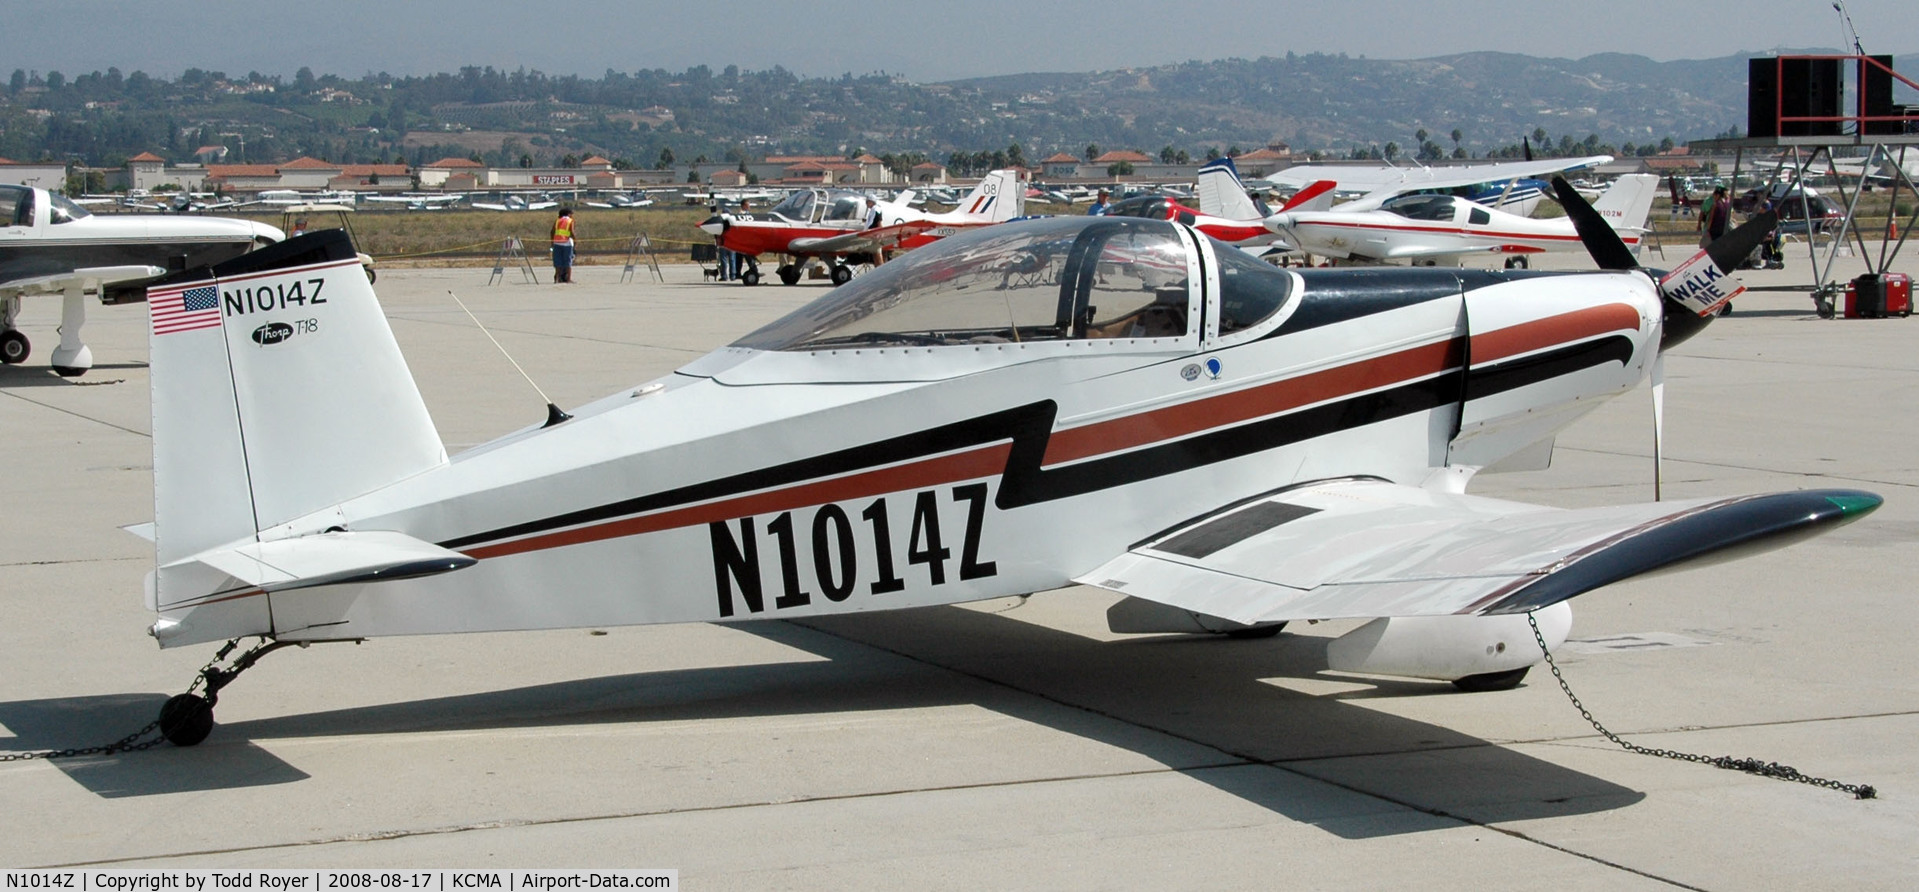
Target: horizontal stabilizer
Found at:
x=1371, y=548
x=332, y=559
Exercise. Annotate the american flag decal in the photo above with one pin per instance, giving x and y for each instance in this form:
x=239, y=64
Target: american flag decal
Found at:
x=188, y=310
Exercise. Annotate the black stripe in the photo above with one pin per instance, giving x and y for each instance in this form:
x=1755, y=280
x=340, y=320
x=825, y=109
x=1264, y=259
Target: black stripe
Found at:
x=1512, y=374
x=1029, y=427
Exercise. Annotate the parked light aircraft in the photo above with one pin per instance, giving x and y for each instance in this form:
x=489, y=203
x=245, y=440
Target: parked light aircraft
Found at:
x=1426, y=228
x=517, y=203
x=1382, y=182
x=420, y=202
x=623, y=200
x=1238, y=219
x=1114, y=401
x=50, y=245
x=831, y=226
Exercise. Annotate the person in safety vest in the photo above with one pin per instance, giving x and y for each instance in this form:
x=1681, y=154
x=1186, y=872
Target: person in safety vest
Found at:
x=563, y=231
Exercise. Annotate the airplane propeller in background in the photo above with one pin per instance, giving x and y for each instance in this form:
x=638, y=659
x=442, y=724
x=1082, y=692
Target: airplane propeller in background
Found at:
x=1693, y=292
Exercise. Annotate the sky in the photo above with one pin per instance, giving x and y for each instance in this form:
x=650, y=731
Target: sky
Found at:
x=924, y=42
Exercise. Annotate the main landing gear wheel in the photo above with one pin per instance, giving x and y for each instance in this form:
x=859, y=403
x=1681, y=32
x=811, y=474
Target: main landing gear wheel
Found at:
x=842, y=274
x=750, y=277
x=1251, y=633
x=1518, y=263
x=14, y=347
x=1492, y=681
x=186, y=719
x=789, y=273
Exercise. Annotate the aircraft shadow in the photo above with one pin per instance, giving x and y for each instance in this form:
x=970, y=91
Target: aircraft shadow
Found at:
x=44, y=376
x=87, y=721
x=1198, y=705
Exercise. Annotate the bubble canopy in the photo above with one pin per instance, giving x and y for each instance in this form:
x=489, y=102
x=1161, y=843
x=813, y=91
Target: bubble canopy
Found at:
x=1037, y=280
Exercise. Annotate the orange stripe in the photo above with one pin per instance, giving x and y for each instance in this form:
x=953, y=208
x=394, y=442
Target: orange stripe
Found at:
x=1257, y=402
x=987, y=461
x=1553, y=331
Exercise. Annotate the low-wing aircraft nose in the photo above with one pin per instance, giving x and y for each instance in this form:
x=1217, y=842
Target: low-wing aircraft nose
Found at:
x=714, y=225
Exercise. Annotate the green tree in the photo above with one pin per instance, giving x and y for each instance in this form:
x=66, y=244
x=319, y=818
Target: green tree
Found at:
x=1092, y=151
x=1392, y=150
x=1166, y=155
x=1119, y=169
x=666, y=159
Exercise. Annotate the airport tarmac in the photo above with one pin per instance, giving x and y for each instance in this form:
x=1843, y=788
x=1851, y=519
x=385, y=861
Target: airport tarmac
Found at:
x=1006, y=744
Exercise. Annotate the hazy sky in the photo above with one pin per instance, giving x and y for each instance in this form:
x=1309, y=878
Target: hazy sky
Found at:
x=923, y=41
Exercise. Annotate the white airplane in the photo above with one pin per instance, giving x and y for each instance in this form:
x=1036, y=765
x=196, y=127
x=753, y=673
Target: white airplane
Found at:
x=623, y=200
x=432, y=202
x=517, y=203
x=1428, y=228
x=1382, y=182
x=50, y=245
x=1113, y=401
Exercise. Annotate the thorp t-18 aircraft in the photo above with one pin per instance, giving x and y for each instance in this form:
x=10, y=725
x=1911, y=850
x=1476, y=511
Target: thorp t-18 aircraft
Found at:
x=1114, y=401
x=1427, y=228
x=834, y=226
x=51, y=245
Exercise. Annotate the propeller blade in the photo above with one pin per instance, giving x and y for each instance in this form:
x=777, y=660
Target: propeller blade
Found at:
x=1600, y=240
x=1658, y=424
x=1731, y=249
x=1526, y=143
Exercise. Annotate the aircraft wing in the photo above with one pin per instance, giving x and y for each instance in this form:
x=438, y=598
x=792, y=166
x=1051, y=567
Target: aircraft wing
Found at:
x=541, y=205
x=488, y=206
x=1372, y=178
x=88, y=278
x=1418, y=252
x=1371, y=548
x=860, y=240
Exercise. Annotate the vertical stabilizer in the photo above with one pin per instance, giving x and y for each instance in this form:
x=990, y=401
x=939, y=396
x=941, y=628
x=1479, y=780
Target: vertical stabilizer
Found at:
x=1628, y=201
x=999, y=197
x=1222, y=194
x=278, y=390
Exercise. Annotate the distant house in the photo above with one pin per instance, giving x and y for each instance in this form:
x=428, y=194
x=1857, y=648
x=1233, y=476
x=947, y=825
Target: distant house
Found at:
x=210, y=154
x=439, y=174
x=371, y=178
x=928, y=172
x=1060, y=166
x=1262, y=161
x=42, y=174
x=728, y=179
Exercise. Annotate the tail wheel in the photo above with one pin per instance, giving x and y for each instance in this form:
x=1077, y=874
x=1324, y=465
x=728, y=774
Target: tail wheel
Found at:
x=789, y=273
x=14, y=347
x=842, y=274
x=186, y=719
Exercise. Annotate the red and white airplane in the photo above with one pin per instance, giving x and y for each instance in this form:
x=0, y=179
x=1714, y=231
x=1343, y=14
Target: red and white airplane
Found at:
x=1426, y=229
x=1119, y=402
x=1237, y=221
x=836, y=226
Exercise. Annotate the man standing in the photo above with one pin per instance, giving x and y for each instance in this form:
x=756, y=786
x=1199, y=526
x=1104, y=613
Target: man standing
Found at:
x=563, y=247
x=1714, y=217
x=1100, y=205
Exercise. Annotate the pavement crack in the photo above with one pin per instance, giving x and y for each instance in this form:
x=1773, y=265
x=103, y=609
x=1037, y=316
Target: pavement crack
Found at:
x=64, y=411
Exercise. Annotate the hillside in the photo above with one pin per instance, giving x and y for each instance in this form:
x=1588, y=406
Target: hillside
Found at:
x=1331, y=103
